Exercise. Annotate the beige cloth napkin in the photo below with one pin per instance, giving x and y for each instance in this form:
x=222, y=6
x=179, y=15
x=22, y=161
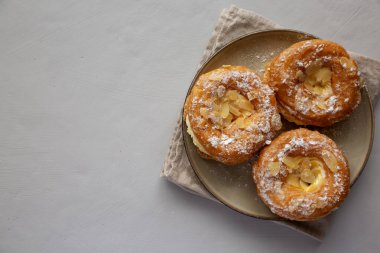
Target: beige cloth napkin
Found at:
x=232, y=23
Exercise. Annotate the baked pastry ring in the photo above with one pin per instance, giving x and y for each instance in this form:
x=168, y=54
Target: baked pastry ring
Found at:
x=302, y=175
x=230, y=114
x=316, y=82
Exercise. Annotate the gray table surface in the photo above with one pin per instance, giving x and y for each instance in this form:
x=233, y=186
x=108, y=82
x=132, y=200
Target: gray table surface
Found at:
x=89, y=95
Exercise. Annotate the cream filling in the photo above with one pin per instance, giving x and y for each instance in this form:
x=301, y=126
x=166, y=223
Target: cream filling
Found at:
x=195, y=140
x=306, y=173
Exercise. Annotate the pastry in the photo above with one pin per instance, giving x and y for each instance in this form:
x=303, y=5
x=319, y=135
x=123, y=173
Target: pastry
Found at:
x=302, y=175
x=316, y=82
x=230, y=114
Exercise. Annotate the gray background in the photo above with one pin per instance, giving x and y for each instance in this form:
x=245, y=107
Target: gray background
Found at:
x=89, y=95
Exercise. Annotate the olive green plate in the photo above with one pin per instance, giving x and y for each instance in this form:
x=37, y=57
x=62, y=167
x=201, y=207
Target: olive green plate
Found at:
x=233, y=185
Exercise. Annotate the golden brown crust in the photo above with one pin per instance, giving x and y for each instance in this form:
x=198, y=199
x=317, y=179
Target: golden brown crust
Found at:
x=232, y=144
x=297, y=103
x=293, y=203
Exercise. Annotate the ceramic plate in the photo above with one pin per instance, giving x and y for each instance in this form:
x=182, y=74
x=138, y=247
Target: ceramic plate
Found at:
x=233, y=185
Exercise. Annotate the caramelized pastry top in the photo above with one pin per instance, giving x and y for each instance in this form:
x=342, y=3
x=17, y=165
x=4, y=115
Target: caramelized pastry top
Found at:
x=302, y=175
x=316, y=82
x=230, y=114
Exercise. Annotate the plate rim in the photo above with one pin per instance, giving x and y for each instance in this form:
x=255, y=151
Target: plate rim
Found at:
x=196, y=76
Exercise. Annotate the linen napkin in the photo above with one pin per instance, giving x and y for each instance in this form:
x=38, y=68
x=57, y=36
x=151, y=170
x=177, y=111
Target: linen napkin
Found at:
x=233, y=23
